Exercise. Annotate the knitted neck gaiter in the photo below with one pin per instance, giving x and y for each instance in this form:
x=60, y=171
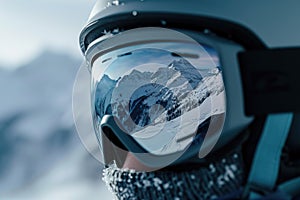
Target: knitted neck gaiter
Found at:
x=216, y=180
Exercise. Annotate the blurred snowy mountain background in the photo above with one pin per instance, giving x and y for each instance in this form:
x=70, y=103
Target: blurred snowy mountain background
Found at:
x=41, y=156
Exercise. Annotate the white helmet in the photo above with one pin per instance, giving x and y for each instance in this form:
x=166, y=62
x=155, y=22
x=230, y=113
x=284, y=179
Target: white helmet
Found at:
x=244, y=35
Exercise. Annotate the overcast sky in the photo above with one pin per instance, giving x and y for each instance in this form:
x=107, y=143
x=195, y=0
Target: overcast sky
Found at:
x=30, y=27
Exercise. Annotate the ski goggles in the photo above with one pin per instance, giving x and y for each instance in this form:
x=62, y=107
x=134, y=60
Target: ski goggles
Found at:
x=159, y=93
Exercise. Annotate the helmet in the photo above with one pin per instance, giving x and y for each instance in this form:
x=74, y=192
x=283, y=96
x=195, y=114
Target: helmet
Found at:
x=250, y=39
x=263, y=18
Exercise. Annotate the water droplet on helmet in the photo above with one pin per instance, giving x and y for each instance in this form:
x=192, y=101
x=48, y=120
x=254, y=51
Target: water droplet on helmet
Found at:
x=163, y=22
x=106, y=32
x=206, y=31
x=116, y=2
x=108, y=4
x=116, y=30
x=134, y=13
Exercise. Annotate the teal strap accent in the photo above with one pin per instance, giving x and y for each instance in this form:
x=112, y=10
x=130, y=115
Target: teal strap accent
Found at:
x=291, y=187
x=265, y=165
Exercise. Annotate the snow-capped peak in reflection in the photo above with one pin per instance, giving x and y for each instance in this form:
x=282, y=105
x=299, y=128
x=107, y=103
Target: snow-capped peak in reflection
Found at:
x=142, y=98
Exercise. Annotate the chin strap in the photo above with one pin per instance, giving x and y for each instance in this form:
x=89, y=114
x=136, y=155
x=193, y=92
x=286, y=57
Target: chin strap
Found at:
x=265, y=166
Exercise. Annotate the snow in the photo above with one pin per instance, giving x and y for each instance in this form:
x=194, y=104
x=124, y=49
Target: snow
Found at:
x=169, y=134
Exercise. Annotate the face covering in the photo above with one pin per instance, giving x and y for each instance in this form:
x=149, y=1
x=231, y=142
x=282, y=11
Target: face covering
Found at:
x=216, y=180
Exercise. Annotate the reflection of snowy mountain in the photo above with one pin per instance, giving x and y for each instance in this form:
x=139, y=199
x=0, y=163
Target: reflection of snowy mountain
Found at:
x=177, y=134
x=103, y=94
x=163, y=95
x=187, y=71
x=41, y=156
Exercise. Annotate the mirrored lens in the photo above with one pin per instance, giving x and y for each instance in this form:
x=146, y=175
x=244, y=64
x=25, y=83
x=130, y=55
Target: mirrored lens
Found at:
x=161, y=94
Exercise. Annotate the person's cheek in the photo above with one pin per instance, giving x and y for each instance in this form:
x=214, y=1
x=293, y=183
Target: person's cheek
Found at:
x=132, y=163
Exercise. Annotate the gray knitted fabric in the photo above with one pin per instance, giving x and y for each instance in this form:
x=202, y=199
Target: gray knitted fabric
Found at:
x=218, y=179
